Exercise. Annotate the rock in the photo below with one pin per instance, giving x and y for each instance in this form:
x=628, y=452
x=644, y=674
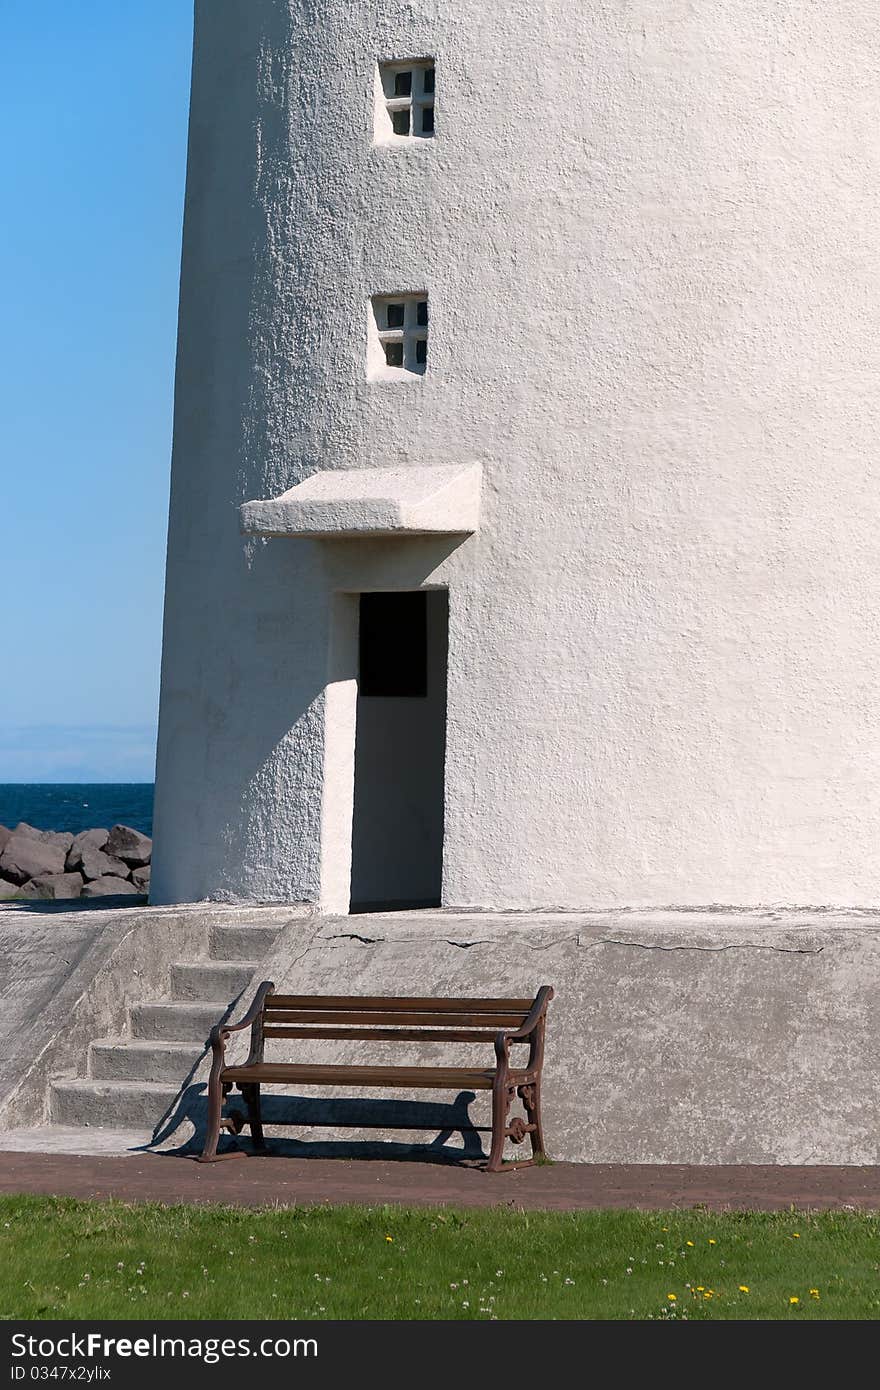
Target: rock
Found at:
x=5, y=834
x=8, y=890
x=107, y=886
x=52, y=886
x=86, y=839
x=94, y=863
x=141, y=877
x=25, y=857
x=130, y=845
x=46, y=837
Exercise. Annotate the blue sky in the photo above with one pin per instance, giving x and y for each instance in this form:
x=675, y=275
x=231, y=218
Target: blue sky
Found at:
x=93, y=114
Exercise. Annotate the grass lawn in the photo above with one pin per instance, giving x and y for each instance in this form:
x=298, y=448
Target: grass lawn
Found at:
x=61, y=1258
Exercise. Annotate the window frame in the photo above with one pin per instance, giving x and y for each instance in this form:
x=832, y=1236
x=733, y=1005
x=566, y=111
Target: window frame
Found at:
x=409, y=334
x=389, y=103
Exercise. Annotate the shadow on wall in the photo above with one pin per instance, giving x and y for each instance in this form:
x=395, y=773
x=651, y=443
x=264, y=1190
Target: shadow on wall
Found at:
x=64, y=906
x=239, y=771
x=400, y=747
x=446, y=1120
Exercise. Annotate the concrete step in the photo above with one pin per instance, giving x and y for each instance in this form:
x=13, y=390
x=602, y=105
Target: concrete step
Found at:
x=110, y=1104
x=180, y=1022
x=241, y=943
x=216, y=979
x=127, y=1059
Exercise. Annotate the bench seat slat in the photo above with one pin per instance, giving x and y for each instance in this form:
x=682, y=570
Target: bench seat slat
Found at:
x=415, y=1078
x=397, y=1004
x=485, y=1035
x=276, y=1016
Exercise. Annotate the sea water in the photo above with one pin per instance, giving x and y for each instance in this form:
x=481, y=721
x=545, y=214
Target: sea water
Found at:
x=77, y=806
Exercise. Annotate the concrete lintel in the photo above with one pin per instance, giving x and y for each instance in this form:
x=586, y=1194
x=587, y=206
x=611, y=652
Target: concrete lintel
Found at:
x=356, y=502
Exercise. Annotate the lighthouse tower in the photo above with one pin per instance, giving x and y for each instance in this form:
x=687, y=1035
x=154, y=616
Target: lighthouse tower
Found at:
x=524, y=547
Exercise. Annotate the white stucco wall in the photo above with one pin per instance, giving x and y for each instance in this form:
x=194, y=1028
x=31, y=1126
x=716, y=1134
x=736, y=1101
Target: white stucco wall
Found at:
x=649, y=238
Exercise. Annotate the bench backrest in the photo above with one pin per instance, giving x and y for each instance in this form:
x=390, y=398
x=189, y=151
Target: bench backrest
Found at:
x=401, y=1019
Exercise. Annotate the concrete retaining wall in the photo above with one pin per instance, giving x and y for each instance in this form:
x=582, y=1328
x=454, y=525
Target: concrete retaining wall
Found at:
x=675, y=1037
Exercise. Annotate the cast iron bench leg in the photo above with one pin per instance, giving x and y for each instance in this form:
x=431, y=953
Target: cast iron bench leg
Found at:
x=251, y=1093
x=215, y=1109
x=500, y=1107
x=530, y=1095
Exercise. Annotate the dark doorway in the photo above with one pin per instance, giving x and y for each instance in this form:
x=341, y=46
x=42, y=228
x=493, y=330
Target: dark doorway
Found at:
x=400, y=746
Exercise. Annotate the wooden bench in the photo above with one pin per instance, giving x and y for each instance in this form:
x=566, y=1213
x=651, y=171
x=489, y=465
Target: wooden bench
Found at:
x=500, y=1022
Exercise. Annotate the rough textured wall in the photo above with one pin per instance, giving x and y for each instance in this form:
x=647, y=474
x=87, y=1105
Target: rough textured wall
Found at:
x=649, y=238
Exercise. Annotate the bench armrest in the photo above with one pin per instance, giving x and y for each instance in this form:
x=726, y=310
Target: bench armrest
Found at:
x=220, y=1032
x=532, y=1028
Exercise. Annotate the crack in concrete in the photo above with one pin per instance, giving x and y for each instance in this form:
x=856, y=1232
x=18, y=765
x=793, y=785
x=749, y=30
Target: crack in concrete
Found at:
x=584, y=945
x=710, y=950
x=353, y=936
x=272, y=955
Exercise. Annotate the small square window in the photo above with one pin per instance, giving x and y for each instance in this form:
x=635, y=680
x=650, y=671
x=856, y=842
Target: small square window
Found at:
x=397, y=336
x=404, y=107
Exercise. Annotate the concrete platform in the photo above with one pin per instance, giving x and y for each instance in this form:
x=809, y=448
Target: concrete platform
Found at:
x=685, y=1037
x=91, y=1141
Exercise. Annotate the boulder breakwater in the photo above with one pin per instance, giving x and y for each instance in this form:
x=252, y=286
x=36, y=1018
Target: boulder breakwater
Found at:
x=54, y=864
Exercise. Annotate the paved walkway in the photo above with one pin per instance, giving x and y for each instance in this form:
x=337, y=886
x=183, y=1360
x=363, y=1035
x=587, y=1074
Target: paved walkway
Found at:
x=252, y=1181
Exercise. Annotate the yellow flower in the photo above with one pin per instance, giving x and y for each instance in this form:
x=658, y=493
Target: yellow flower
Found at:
x=814, y=1293
x=795, y=1235
x=744, y=1288
x=712, y=1242
x=700, y=1288
x=708, y=1293
x=389, y=1238
x=664, y=1228
x=794, y=1300
x=689, y=1242
x=673, y=1297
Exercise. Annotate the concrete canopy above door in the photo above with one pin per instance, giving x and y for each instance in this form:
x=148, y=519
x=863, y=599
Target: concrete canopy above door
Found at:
x=357, y=502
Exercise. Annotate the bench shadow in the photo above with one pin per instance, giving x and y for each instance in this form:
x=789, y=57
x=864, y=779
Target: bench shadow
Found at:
x=444, y=1120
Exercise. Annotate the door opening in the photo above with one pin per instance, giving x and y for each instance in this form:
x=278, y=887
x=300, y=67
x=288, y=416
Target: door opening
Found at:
x=400, y=747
